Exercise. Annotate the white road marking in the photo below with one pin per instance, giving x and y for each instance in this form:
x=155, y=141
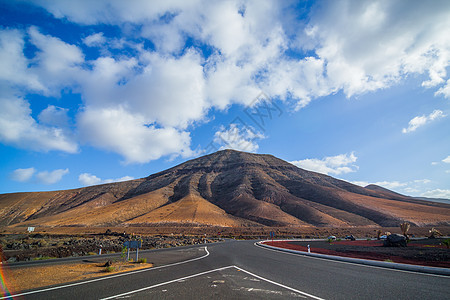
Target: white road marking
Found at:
x=207, y=272
x=351, y=263
x=279, y=284
x=167, y=282
x=109, y=277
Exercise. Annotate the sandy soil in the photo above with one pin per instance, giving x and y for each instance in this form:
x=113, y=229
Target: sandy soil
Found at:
x=426, y=252
x=21, y=279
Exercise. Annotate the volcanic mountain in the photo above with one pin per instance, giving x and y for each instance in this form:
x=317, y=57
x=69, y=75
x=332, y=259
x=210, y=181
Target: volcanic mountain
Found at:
x=227, y=188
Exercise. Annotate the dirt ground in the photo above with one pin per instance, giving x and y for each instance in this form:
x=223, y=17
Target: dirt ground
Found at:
x=22, y=279
x=427, y=252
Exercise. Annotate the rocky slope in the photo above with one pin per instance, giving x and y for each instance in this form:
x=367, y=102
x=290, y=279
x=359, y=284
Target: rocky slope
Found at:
x=226, y=188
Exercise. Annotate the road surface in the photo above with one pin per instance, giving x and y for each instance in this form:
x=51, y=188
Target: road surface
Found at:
x=242, y=270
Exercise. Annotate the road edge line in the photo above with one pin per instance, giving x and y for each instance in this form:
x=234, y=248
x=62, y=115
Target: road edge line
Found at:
x=108, y=277
x=380, y=264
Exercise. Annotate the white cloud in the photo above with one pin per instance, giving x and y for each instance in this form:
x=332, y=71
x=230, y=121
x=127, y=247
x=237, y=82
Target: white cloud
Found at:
x=437, y=193
x=444, y=91
x=352, y=47
x=13, y=64
x=22, y=175
x=371, y=45
x=57, y=64
x=54, y=116
x=413, y=187
x=94, y=40
x=88, y=179
x=361, y=183
x=420, y=121
x=447, y=160
x=422, y=181
x=18, y=128
x=52, y=177
x=238, y=138
x=339, y=164
x=410, y=190
x=124, y=178
x=391, y=184
x=131, y=135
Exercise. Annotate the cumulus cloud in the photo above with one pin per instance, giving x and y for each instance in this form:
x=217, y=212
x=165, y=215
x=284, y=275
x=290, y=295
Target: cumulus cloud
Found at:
x=209, y=55
x=447, y=160
x=420, y=121
x=408, y=187
x=94, y=40
x=130, y=135
x=371, y=45
x=339, y=164
x=51, y=177
x=88, y=179
x=54, y=116
x=22, y=175
x=444, y=91
x=437, y=193
x=19, y=128
x=241, y=138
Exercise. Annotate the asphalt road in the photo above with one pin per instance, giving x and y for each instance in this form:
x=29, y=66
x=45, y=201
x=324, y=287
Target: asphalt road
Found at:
x=241, y=270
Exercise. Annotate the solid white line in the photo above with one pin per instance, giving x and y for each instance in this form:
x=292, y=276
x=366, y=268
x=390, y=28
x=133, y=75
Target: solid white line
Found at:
x=349, y=263
x=207, y=272
x=167, y=282
x=279, y=284
x=109, y=277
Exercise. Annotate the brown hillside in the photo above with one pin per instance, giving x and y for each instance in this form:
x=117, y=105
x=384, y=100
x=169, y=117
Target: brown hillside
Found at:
x=227, y=188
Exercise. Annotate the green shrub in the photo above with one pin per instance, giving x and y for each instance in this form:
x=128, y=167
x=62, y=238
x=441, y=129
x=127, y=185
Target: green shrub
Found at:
x=109, y=269
x=44, y=258
x=446, y=243
x=142, y=261
x=388, y=260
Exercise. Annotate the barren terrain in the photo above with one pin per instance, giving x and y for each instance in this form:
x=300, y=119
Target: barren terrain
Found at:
x=224, y=189
x=427, y=252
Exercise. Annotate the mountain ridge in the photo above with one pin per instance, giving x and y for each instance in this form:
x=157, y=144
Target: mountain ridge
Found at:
x=227, y=188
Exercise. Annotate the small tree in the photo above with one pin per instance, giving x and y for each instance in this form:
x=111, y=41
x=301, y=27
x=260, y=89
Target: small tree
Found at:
x=447, y=243
x=405, y=227
x=378, y=234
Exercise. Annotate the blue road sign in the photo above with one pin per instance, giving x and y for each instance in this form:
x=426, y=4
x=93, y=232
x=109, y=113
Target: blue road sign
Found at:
x=132, y=244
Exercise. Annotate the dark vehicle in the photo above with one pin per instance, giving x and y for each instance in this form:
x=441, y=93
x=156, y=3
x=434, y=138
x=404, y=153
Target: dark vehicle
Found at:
x=350, y=237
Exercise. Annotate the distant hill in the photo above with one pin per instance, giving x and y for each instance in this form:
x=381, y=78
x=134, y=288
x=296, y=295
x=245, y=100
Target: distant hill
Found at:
x=227, y=188
x=389, y=193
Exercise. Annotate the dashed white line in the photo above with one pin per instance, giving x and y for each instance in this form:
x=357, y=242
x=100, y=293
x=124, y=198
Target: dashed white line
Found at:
x=105, y=278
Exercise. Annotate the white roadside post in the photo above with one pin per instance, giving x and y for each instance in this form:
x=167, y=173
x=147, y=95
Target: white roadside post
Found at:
x=309, y=250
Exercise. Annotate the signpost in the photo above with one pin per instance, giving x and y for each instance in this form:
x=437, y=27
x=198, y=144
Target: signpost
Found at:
x=30, y=229
x=132, y=245
x=272, y=234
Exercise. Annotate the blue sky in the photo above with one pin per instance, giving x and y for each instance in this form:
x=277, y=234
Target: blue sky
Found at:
x=102, y=91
